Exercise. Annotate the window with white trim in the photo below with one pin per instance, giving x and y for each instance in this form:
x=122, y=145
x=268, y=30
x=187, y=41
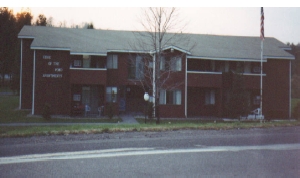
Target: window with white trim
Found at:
x=86, y=61
x=112, y=61
x=77, y=63
x=136, y=68
x=256, y=100
x=247, y=67
x=170, y=97
x=209, y=97
x=111, y=94
x=76, y=97
x=175, y=64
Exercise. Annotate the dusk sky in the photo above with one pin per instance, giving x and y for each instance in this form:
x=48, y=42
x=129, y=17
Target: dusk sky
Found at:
x=280, y=22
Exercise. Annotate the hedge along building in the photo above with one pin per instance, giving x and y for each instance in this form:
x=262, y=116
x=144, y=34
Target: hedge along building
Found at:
x=68, y=68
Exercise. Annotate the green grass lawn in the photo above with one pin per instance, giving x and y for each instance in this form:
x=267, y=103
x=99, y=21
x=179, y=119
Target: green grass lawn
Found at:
x=10, y=114
x=5, y=89
x=294, y=103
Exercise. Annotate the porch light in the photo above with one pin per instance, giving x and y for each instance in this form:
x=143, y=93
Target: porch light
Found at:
x=146, y=96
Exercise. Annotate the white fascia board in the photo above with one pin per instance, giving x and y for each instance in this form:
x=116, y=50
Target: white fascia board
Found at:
x=72, y=68
x=219, y=73
x=225, y=59
x=286, y=48
x=178, y=49
x=91, y=54
x=279, y=57
x=126, y=51
x=27, y=37
x=49, y=48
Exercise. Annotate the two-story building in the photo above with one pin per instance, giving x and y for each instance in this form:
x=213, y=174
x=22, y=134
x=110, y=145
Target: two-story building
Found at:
x=73, y=68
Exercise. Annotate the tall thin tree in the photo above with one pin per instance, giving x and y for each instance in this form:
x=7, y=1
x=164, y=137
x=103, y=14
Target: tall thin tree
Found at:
x=162, y=33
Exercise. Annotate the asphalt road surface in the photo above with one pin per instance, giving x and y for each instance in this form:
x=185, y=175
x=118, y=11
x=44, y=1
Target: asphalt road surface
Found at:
x=271, y=152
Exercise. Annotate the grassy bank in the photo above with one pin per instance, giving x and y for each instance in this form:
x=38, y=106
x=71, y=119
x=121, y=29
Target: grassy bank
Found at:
x=22, y=131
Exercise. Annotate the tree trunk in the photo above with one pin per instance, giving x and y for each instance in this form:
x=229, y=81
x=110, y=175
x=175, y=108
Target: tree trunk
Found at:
x=157, y=111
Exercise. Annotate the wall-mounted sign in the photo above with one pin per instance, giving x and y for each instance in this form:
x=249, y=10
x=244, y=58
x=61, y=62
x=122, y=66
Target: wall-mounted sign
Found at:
x=52, y=75
x=52, y=72
x=46, y=57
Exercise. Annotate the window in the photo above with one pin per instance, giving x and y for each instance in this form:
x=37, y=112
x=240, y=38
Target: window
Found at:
x=76, y=97
x=112, y=61
x=173, y=64
x=226, y=67
x=247, y=67
x=176, y=64
x=162, y=65
x=209, y=97
x=86, y=61
x=111, y=94
x=170, y=97
x=136, y=68
x=256, y=100
x=77, y=63
x=256, y=69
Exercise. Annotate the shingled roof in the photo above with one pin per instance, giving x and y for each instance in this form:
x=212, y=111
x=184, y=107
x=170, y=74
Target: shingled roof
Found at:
x=99, y=42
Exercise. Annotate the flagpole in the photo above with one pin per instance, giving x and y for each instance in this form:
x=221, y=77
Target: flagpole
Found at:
x=262, y=37
x=261, y=78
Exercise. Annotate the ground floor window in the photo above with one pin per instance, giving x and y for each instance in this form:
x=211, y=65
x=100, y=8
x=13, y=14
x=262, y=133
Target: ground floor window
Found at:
x=209, y=97
x=111, y=94
x=170, y=97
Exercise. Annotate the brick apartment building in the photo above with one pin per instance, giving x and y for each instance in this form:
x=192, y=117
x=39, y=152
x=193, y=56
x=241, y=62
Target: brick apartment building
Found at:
x=71, y=68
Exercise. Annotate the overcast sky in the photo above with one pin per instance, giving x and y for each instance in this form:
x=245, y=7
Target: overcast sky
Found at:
x=282, y=23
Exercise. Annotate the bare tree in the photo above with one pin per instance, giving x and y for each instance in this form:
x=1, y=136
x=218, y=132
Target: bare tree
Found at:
x=157, y=62
x=41, y=20
x=50, y=22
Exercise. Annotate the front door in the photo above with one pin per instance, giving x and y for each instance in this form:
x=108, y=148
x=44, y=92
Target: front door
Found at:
x=90, y=97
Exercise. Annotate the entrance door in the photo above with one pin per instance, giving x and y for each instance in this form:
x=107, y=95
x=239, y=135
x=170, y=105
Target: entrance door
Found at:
x=90, y=97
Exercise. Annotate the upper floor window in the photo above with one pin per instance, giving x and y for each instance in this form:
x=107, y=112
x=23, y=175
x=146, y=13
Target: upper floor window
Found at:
x=112, y=61
x=86, y=61
x=136, y=68
x=170, y=63
x=77, y=63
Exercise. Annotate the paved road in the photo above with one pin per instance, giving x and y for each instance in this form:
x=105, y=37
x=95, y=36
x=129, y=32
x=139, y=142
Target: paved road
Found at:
x=187, y=153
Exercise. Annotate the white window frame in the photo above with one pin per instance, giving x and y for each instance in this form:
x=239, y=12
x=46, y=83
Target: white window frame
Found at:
x=77, y=63
x=76, y=97
x=112, y=61
x=210, y=97
x=247, y=67
x=176, y=63
x=86, y=61
x=109, y=92
x=176, y=94
x=256, y=100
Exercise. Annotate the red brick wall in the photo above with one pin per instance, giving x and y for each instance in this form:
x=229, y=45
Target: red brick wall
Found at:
x=276, y=88
x=204, y=80
x=55, y=91
x=27, y=71
x=96, y=77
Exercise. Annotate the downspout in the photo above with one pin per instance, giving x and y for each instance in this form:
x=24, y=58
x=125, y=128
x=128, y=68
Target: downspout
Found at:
x=33, y=84
x=185, y=92
x=290, y=92
x=21, y=66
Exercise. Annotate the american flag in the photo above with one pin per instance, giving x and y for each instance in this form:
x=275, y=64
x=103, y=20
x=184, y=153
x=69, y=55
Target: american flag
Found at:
x=262, y=33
